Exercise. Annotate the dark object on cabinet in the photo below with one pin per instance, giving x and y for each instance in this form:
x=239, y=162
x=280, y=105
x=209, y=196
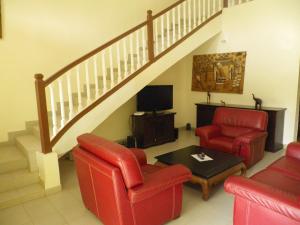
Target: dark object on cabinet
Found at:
x=153, y=129
x=206, y=112
x=258, y=102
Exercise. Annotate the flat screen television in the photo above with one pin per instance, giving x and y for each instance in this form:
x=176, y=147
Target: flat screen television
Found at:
x=155, y=98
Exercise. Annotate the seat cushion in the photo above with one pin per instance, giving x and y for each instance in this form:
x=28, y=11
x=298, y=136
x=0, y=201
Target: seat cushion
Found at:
x=287, y=165
x=278, y=180
x=221, y=143
x=149, y=169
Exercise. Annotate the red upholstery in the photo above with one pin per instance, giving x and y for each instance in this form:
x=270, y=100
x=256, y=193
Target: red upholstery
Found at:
x=237, y=131
x=271, y=196
x=120, y=188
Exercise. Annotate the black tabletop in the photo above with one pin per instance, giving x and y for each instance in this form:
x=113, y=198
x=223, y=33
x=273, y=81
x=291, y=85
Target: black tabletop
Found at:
x=207, y=169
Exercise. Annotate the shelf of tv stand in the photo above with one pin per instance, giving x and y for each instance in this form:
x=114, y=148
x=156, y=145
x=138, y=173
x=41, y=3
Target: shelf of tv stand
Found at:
x=153, y=129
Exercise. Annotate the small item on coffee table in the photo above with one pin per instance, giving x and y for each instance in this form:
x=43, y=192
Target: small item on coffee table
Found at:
x=201, y=157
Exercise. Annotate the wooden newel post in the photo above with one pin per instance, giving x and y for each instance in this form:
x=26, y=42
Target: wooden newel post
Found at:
x=42, y=113
x=150, y=35
x=225, y=3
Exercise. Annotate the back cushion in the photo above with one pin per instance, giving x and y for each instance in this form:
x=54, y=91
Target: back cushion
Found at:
x=243, y=118
x=234, y=132
x=116, y=155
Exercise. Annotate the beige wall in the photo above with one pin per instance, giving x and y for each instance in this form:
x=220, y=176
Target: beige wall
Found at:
x=43, y=36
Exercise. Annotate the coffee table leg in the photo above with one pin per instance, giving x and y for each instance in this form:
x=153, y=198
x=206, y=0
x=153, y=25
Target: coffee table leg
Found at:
x=205, y=190
x=243, y=169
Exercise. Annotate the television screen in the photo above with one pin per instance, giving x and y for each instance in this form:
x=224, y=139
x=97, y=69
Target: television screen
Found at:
x=155, y=98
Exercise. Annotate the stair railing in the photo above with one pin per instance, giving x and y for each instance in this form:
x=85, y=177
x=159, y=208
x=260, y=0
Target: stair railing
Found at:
x=69, y=94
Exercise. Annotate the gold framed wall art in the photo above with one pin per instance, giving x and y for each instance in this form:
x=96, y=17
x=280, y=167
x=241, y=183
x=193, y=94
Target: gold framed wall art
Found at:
x=222, y=72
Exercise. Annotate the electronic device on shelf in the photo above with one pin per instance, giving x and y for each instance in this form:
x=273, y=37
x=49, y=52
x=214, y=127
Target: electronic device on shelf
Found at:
x=139, y=113
x=154, y=98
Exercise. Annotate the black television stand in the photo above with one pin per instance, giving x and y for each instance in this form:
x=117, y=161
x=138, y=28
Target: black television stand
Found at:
x=153, y=129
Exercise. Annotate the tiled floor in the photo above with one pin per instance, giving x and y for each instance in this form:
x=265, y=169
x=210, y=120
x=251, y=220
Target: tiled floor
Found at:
x=66, y=207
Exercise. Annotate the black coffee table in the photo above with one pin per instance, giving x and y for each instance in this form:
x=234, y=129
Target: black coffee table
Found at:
x=207, y=173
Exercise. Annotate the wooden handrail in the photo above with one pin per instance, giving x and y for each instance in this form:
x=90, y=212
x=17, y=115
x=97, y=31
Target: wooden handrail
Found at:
x=90, y=54
x=42, y=113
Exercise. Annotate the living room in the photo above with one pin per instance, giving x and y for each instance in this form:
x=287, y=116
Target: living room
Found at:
x=270, y=38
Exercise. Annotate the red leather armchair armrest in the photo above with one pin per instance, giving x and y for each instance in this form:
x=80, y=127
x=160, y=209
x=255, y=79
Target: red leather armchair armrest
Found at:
x=264, y=195
x=140, y=155
x=249, y=137
x=159, y=181
x=208, y=132
x=293, y=150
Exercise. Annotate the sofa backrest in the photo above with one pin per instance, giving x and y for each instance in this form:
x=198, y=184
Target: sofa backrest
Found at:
x=115, y=154
x=236, y=122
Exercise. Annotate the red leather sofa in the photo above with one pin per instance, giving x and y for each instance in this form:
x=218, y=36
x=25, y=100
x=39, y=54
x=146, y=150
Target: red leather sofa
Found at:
x=237, y=131
x=271, y=196
x=120, y=188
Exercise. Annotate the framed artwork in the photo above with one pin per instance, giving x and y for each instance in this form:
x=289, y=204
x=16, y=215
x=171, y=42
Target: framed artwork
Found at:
x=219, y=72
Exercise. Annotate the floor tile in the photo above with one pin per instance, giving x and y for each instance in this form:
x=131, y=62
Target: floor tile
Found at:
x=14, y=216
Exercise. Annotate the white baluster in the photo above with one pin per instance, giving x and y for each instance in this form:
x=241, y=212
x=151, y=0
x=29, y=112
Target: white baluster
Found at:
x=168, y=29
x=220, y=5
x=174, y=25
x=179, y=20
x=104, y=72
x=204, y=10
x=131, y=53
x=138, y=50
x=156, y=36
x=184, y=18
x=144, y=45
x=162, y=33
x=111, y=67
x=96, y=77
x=78, y=89
x=53, y=112
x=190, y=14
x=199, y=12
x=194, y=14
x=119, y=62
x=87, y=82
x=240, y=2
x=208, y=9
x=214, y=7
x=125, y=58
x=70, y=97
x=62, y=103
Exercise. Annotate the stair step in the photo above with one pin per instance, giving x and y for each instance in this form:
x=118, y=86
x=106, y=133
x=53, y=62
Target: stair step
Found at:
x=17, y=179
x=21, y=195
x=11, y=159
x=29, y=144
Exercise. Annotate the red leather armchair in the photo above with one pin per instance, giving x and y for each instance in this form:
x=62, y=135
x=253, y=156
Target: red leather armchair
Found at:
x=236, y=131
x=271, y=196
x=120, y=188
